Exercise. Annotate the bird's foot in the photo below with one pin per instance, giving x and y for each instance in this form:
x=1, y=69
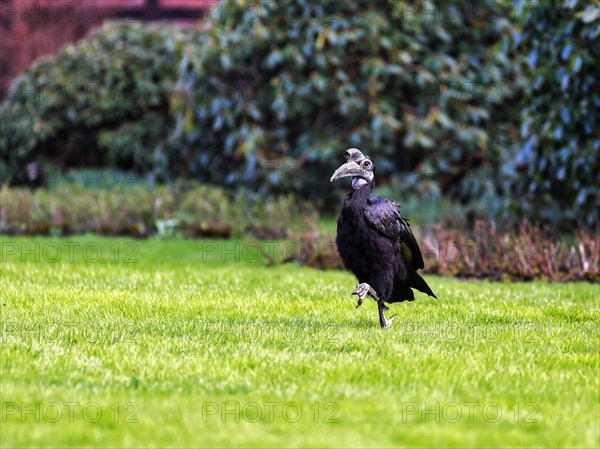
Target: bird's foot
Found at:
x=387, y=322
x=362, y=290
x=383, y=321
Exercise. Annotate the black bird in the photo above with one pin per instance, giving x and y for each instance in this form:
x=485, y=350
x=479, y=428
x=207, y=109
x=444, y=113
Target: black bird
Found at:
x=375, y=242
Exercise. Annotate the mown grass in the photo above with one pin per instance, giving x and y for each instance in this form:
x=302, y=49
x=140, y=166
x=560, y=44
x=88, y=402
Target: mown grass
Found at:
x=198, y=344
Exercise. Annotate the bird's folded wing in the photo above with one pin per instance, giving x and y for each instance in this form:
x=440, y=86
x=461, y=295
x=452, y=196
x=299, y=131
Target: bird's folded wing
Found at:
x=383, y=216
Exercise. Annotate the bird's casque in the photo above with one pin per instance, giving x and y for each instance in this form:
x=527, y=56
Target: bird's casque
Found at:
x=359, y=166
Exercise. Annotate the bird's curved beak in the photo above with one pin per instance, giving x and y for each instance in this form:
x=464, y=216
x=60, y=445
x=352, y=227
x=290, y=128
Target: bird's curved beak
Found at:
x=348, y=169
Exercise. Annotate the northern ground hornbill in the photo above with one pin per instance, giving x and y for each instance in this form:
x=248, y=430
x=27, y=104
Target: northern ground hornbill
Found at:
x=375, y=242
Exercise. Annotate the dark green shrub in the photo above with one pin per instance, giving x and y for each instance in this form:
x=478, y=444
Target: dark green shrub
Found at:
x=431, y=90
x=78, y=209
x=558, y=166
x=414, y=85
x=17, y=213
x=102, y=102
x=270, y=103
x=142, y=210
x=278, y=217
x=206, y=211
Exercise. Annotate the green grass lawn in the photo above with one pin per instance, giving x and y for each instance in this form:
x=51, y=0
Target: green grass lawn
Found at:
x=117, y=342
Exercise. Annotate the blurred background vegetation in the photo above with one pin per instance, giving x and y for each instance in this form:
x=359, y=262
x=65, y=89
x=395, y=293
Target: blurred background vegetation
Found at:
x=471, y=111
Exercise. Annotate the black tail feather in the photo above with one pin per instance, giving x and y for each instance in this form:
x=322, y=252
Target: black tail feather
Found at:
x=416, y=281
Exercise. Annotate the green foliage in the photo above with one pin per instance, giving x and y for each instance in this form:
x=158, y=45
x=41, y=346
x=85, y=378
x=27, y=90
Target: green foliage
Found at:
x=558, y=167
x=141, y=210
x=416, y=87
x=77, y=209
x=205, y=211
x=269, y=102
x=268, y=97
x=102, y=102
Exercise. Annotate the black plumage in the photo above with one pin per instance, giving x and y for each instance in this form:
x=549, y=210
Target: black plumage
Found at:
x=375, y=242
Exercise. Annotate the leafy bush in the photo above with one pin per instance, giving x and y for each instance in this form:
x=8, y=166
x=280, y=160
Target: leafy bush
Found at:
x=141, y=210
x=102, y=102
x=413, y=85
x=205, y=211
x=559, y=164
x=267, y=99
x=406, y=81
x=77, y=209
x=278, y=217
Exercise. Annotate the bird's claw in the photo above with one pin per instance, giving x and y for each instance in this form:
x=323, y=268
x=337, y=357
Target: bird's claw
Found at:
x=387, y=322
x=383, y=321
x=362, y=290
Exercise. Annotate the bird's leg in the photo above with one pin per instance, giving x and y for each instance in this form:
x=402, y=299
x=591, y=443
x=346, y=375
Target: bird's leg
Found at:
x=382, y=320
x=363, y=290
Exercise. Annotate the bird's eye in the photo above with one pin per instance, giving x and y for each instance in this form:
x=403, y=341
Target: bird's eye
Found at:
x=347, y=154
x=366, y=164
